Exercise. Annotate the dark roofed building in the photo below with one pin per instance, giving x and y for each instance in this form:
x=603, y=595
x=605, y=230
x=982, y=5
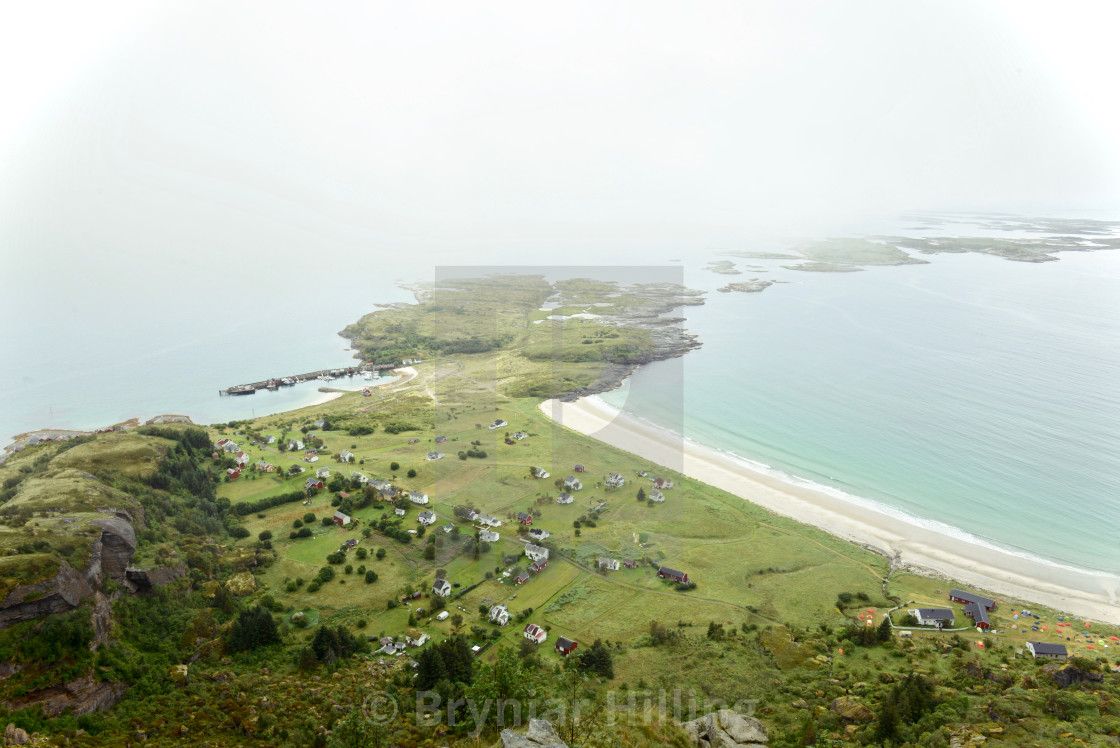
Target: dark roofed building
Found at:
x=1047, y=650
x=963, y=597
x=565, y=646
x=677, y=576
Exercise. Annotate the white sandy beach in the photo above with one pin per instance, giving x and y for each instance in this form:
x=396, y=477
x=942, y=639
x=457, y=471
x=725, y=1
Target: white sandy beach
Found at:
x=1086, y=594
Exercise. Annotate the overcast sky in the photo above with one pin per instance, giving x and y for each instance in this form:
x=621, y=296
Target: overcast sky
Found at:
x=418, y=122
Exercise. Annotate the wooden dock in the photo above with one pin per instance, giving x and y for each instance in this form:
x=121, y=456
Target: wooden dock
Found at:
x=288, y=381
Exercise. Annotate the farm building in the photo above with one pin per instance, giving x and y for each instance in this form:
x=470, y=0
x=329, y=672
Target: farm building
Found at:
x=656, y=496
x=565, y=498
x=497, y=424
x=677, y=576
x=572, y=483
x=441, y=587
x=610, y=564
x=539, y=472
x=426, y=518
x=418, y=497
x=535, y=633
x=536, y=552
x=538, y=533
x=488, y=536
x=434, y=456
x=614, y=480
x=525, y=519
x=565, y=646
x=340, y=519
x=312, y=483
x=521, y=578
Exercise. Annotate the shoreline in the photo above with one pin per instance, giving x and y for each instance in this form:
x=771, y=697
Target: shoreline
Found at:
x=915, y=547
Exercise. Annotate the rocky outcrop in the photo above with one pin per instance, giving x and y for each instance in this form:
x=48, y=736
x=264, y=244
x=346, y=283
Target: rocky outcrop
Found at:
x=109, y=556
x=851, y=710
x=83, y=695
x=118, y=544
x=1069, y=675
x=726, y=729
x=62, y=592
x=144, y=580
x=539, y=735
x=101, y=617
x=241, y=584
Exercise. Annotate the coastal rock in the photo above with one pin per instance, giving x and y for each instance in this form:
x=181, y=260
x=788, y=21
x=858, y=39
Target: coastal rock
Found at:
x=118, y=545
x=539, y=735
x=726, y=729
x=851, y=710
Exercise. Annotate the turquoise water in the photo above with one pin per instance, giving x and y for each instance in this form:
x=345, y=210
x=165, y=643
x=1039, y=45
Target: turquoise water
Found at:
x=973, y=391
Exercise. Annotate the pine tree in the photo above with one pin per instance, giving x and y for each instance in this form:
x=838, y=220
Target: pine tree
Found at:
x=885, y=629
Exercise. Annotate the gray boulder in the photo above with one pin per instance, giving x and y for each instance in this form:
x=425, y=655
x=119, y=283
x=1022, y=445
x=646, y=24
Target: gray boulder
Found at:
x=539, y=735
x=726, y=729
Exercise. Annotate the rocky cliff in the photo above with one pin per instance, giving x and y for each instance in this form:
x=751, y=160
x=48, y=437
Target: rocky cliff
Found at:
x=66, y=590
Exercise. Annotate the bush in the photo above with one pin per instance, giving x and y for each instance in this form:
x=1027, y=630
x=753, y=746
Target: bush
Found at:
x=309, y=517
x=411, y=472
x=239, y=532
x=394, y=466
x=371, y=577
x=298, y=523
x=264, y=535
x=253, y=628
x=361, y=553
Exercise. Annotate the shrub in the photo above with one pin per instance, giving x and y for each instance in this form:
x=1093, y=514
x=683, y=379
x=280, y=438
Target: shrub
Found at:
x=411, y=472
x=264, y=535
x=371, y=577
x=309, y=517
x=239, y=532
x=394, y=466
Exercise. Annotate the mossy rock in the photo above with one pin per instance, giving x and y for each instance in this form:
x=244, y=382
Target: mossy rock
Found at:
x=241, y=584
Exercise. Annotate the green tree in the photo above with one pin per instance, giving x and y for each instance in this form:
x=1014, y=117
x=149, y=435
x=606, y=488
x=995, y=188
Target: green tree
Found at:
x=885, y=629
x=394, y=466
x=264, y=535
x=253, y=628
x=411, y=473
x=596, y=659
x=507, y=679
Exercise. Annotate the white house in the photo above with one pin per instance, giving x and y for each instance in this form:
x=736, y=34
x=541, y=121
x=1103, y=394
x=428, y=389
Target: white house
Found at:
x=448, y=527
x=442, y=588
x=443, y=614
x=565, y=498
x=418, y=641
x=932, y=616
x=295, y=445
x=538, y=533
x=486, y=519
x=572, y=483
x=426, y=518
x=610, y=564
x=346, y=456
x=614, y=480
x=241, y=459
x=536, y=553
x=399, y=512
x=434, y=456
x=360, y=478
x=488, y=536
x=535, y=633
x=499, y=615
x=323, y=473
x=1048, y=651
x=498, y=424
x=270, y=439
x=519, y=435
x=656, y=496
x=418, y=497
x=539, y=472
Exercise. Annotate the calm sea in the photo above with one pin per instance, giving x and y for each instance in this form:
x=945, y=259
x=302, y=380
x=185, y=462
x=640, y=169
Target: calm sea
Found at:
x=975, y=392
x=972, y=391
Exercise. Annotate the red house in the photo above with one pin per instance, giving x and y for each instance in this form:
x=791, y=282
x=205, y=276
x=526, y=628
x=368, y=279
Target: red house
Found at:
x=578, y=469
x=677, y=576
x=525, y=519
x=565, y=646
x=975, y=607
x=537, y=566
x=630, y=563
x=522, y=578
x=233, y=473
x=313, y=483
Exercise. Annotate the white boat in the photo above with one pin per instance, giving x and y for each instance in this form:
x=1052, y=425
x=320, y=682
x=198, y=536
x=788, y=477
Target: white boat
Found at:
x=367, y=375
